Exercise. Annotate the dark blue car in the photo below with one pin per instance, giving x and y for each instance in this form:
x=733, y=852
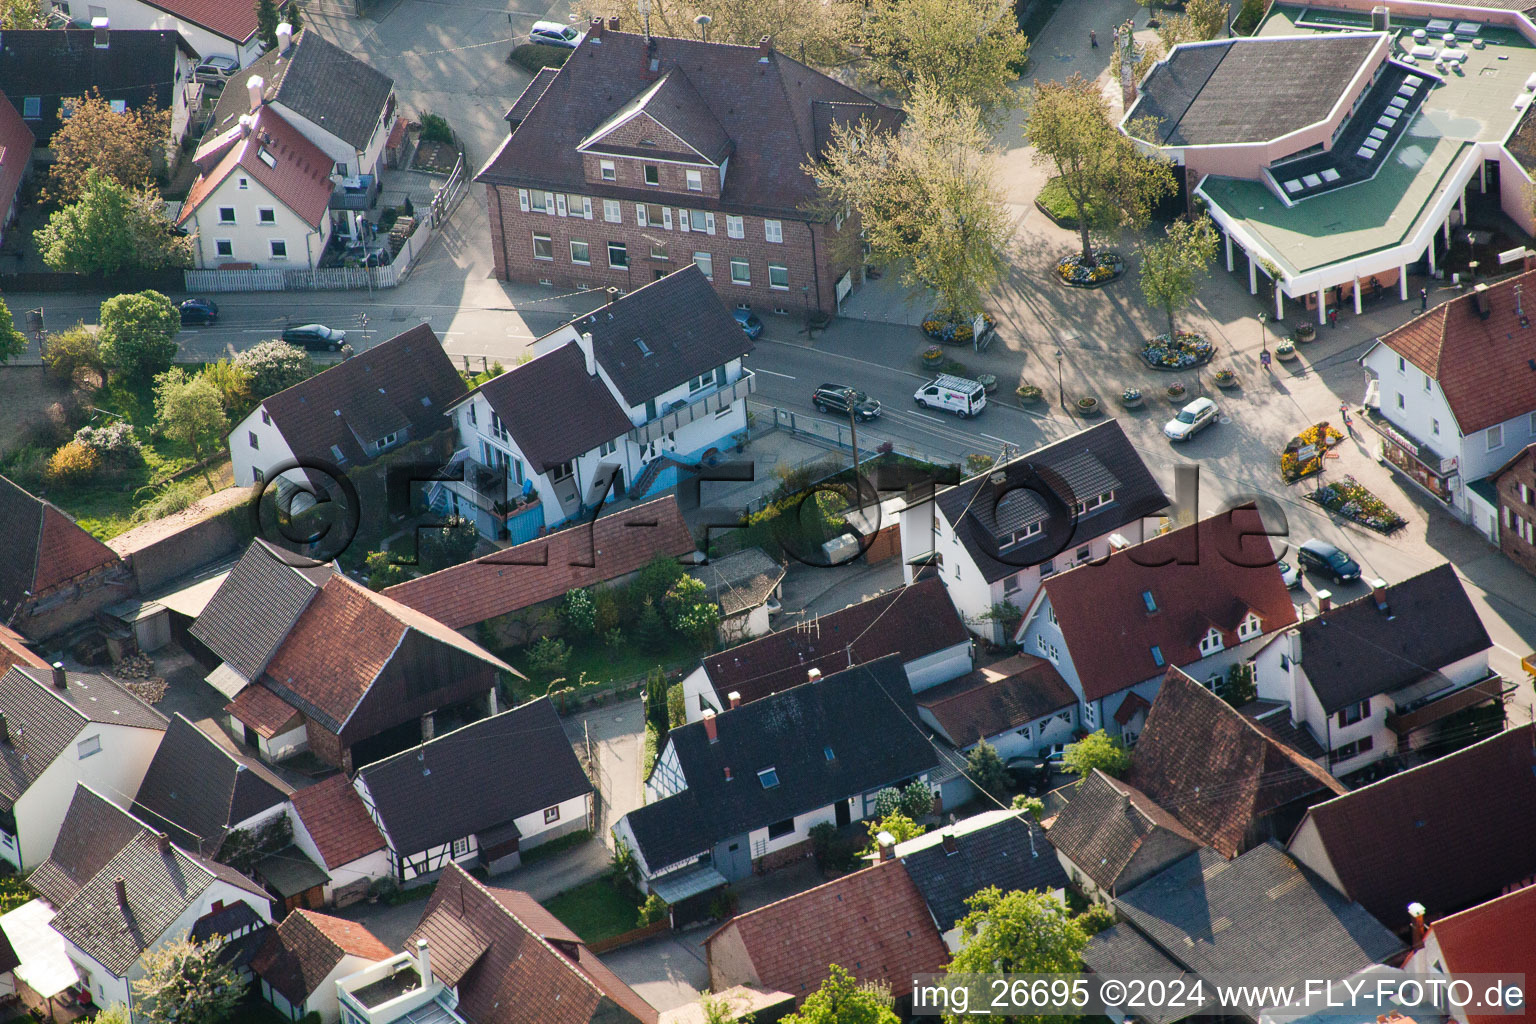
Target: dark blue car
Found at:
x=749, y=322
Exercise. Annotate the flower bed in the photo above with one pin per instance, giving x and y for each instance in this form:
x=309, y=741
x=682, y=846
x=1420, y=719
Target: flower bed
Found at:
x=1292, y=466
x=1187, y=349
x=1351, y=500
x=1104, y=268
x=954, y=328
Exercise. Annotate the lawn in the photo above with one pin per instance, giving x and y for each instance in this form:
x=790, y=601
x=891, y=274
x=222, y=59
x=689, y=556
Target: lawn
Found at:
x=595, y=910
x=1054, y=199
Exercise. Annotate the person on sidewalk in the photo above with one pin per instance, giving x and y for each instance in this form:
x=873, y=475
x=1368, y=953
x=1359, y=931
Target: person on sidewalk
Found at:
x=1093, y=39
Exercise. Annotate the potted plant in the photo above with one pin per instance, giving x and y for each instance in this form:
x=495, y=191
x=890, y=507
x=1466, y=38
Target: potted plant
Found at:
x=1304, y=331
x=1028, y=393
x=1175, y=391
x=1088, y=405
x=1131, y=398
x=1226, y=379
x=932, y=354
x=1285, y=351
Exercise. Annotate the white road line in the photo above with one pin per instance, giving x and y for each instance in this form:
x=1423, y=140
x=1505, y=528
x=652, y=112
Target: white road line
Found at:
x=773, y=373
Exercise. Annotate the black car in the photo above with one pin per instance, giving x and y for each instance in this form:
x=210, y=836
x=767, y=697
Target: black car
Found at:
x=1323, y=559
x=315, y=338
x=199, y=311
x=838, y=397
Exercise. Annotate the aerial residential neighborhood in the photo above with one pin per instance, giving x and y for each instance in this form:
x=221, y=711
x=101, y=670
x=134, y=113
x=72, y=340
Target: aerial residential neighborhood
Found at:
x=641, y=512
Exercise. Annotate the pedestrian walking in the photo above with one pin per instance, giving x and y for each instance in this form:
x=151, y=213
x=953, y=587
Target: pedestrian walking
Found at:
x=1423, y=300
x=1093, y=39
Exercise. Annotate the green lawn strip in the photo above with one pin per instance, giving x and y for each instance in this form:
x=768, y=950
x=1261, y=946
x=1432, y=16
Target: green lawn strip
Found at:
x=595, y=910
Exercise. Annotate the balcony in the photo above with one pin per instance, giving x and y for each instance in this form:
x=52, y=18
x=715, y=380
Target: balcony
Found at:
x=682, y=413
x=355, y=193
x=1416, y=715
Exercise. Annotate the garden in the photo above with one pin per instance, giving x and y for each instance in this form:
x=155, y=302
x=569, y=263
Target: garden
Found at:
x=1303, y=456
x=1350, y=499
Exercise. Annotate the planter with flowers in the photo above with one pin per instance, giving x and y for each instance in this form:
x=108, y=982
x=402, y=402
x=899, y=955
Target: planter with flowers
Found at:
x=1131, y=398
x=1185, y=350
x=1104, y=267
x=1028, y=394
x=1088, y=405
x=1226, y=379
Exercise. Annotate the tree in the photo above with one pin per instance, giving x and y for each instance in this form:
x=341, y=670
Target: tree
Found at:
x=1017, y=933
x=1172, y=266
x=985, y=768
x=1199, y=21
x=916, y=799
x=119, y=146
x=185, y=982
x=191, y=410
x=971, y=51
x=926, y=196
x=383, y=571
x=1096, y=750
x=111, y=228
x=266, y=22
x=809, y=30
x=898, y=825
x=71, y=350
x=138, y=334
x=12, y=341
x=21, y=14
x=275, y=366
x=1100, y=168
x=842, y=1000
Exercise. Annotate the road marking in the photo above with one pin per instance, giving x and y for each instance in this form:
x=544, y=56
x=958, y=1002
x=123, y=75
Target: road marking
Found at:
x=773, y=373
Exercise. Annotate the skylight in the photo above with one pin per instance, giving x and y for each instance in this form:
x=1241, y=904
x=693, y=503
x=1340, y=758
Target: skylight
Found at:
x=769, y=777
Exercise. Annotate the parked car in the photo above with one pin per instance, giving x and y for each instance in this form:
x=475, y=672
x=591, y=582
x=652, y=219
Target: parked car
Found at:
x=1289, y=573
x=216, y=70
x=838, y=397
x=1192, y=419
x=315, y=338
x=958, y=395
x=749, y=322
x=198, y=311
x=1321, y=558
x=553, y=33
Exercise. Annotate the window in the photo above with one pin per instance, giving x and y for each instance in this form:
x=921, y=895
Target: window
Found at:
x=606, y=169
x=1211, y=642
x=652, y=174
x=1148, y=600
x=1355, y=713
x=266, y=215
x=705, y=263
x=778, y=276
x=580, y=252
x=560, y=472
x=551, y=814
x=251, y=436
x=769, y=777
x=1496, y=437
x=734, y=227
x=780, y=829
x=279, y=248
x=32, y=108
x=460, y=847
x=223, y=247
x=741, y=272
x=226, y=215
x=88, y=746
x=658, y=251
x=695, y=181
x=543, y=247
x=611, y=211
x=773, y=230
x=1157, y=656
x=618, y=256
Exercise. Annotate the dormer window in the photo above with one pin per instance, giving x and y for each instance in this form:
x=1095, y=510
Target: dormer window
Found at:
x=1211, y=642
x=1250, y=627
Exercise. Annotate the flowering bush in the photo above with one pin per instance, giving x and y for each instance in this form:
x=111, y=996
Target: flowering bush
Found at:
x=1185, y=349
x=1350, y=499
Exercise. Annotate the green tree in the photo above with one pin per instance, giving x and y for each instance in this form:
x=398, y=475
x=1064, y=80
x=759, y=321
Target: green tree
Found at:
x=809, y=30
x=927, y=198
x=1096, y=750
x=898, y=825
x=191, y=410
x=185, y=982
x=984, y=767
x=71, y=350
x=1172, y=266
x=842, y=1000
x=916, y=799
x=266, y=22
x=12, y=341
x=1017, y=933
x=138, y=334
x=111, y=228
x=1199, y=21
x=1111, y=184
x=275, y=366
x=971, y=51
x=119, y=145
x=383, y=571
x=22, y=14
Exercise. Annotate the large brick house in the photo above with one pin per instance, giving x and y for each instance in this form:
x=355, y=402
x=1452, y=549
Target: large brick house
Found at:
x=641, y=154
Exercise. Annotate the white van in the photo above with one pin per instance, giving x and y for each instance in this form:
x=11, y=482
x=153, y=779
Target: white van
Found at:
x=952, y=394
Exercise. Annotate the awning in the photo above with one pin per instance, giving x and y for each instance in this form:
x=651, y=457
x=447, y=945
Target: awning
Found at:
x=45, y=968
x=680, y=885
x=290, y=872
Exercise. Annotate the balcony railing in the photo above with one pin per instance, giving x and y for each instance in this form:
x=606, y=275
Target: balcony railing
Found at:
x=683, y=413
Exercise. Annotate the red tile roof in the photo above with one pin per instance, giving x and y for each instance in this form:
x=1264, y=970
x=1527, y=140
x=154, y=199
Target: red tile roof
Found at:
x=1497, y=937
x=302, y=952
x=1002, y=696
x=544, y=569
x=232, y=19
x=335, y=818
x=1210, y=574
x=299, y=177
x=1215, y=769
x=873, y=923
x=16, y=144
x=1482, y=366
x=262, y=710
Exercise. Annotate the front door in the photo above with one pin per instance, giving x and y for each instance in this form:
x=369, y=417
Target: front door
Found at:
x=844, y=813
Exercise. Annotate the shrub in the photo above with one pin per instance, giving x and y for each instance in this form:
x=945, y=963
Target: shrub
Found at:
x=73, y=463
x=531, y=58
x=652, y=910
x=434, y=128
x=114, y=441
x=275, y=365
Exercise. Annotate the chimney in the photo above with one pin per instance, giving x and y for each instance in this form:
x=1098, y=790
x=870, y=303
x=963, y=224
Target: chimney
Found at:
x=253, y=86
x=103, y=29
x=710, y=729
x=5, y=730
x=60, y=677
x=813, y=675
x=887, y=845
x=951, y=847
x=1324, y=601
x=428, y=727
x=613, y=23
x=1420, y=927
x=585, y=341
x=163, y=841
x=284, y=37
x=120, y=884
x=734, y=698
x=1379, y=592
x=423, y=962
x=595, y=29
x=764, y=49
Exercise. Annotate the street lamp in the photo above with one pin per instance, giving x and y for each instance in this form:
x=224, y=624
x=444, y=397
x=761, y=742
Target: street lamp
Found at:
x=1061, y=388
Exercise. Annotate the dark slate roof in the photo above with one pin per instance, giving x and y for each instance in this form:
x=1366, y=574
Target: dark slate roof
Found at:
x=197, y=788
x=685, y=326
x=526, y=398
x=43, y=720
x=94, y=829
x=256, y=606
x=473, y=779
x=319, y=81
x=1357, y=651
x=1249, y=90
x=1009, y=851
x=1262, y=915
x=865, y=715
x=1040, y=488
x=43, y=547
x=767, y=109
x=138, y=66
x=1115, y=833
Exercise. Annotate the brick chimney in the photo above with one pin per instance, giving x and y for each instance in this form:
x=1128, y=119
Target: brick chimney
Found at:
x=1324, y=601
x=120, y=884
x=613, y=23
x=1379, y=592
x=1420, y=926
x=710, y=729
x=734, y=698
x=595, y=29
x=60, y=677
x=764, y=49
x=887, y=844
x=163, y=841
x=253, y=87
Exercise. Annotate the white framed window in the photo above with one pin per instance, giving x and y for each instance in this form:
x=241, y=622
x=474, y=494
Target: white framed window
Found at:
x=278, y=248
x=226, y=215
x=543, y=247
x=612, y=212
x=734, y=227
x=223, y=247
x=551, y=814
x=88, y=746
x=580, y=252
x=607, y=170
x=618, y=256
x=695, y=180
x=778, y=277
x=1211, y=642
x=460, y=847
x=773, y=230
x=741, y=272
x=706, y=263
x=266, y=215
x=1496, y=436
